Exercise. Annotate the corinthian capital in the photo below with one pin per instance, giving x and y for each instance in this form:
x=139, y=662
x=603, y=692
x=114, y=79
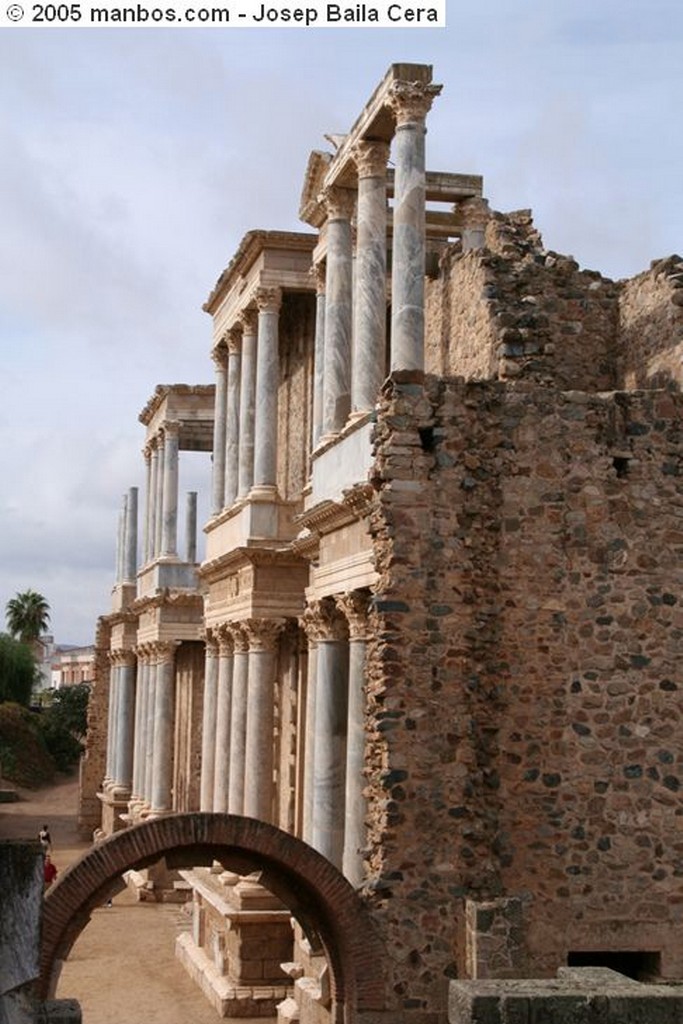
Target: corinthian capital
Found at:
x=318, y=273
x=248, y=319
x=412, y=101
x=370, y=158
x=268, y=300
x=233, y=340
x=354, y=607
x=263, y=634
x=338, y=202
x=323, y=621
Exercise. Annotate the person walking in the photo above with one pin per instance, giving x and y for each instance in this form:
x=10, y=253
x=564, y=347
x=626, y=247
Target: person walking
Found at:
x=49, y=871
x=45, y=839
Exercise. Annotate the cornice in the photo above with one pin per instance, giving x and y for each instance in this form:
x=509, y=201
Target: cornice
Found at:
x=162, y=391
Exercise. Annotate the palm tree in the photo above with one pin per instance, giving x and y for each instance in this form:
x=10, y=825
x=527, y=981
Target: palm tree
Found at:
x=28, y=615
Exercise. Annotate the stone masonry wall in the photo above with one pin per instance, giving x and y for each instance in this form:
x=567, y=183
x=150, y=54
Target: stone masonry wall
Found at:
x=524, y=727
x=94, y=759
x=651, y=328
x=518, y=311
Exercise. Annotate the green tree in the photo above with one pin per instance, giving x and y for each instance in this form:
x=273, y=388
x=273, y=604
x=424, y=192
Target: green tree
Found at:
x=17, y=671
x=69, y=708
x=28, y=616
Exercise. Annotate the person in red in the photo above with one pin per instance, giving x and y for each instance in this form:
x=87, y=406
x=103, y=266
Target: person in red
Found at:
x=49, y=870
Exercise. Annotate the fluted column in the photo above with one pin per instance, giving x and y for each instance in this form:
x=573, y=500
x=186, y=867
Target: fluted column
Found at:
x=369, y=305
x=159, y=502
x=238, y=720
x=411, y=103
x=338, y=310
x=125, y=718
x=209, y=723
x=232, y=434
x=331, y=711
x=146, y=534
x=319, y=272
x=221, y=783
x=219, y=356
x=258, y=771
x=354, y=607
x=308, y=623
x=245, y=474
x=171, y=446
x=265, y=433
x=164, y=705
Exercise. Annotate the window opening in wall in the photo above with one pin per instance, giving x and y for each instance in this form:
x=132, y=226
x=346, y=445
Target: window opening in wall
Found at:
x=621, y=465
x=640, y=965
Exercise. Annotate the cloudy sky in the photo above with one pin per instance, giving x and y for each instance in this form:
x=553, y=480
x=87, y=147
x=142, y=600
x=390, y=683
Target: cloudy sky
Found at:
x=133, y=161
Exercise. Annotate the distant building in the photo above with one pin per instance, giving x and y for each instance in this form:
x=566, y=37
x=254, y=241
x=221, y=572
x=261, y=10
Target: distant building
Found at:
x=72, y=665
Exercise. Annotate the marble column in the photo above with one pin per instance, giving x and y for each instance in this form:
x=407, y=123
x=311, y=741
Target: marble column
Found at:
x=308, y=623
x=152, y=676
x=121, y=540
x=126, y=719
x=247, y=400
x=130, y=562
x=232, y=433
x=221, y=783
x=164, y=707
x=152, y=496
x=319, y=272
x=238, y=720
x=139, y=746
x=338, y=310
x=191, y=528
x=268, y=301
x=209, y=723
x=354, y=607
x=171, y=446
x=369, y=304
x=331, y=712
x=411, y=103
x=159, y=496
x=258, y=764
x=146, y=534
x=219, y=356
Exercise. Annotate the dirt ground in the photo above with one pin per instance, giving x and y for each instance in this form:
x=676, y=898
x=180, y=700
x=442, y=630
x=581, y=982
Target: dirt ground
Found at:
x=122, y=969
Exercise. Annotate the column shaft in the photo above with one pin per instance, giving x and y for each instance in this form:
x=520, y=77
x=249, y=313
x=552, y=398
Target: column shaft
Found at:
x=159, y=503
x=232, y=436
x=318, y=356
x=152, y=497
x=331, y=710
x=309, y=742
x=354, y=803
x=258, y=771
x=265, y=432
x=149, y=729
x=111, y=724
x=130, y=565
x=209, y=727
x=170, y=531
x=191, y=527
x=247, y=401
x=218, y=481
x=221, y=786
x=338, y=312
x=141, y=692
x=126, y=735
x=238, y=730
x=162, y=771
x=148, y=507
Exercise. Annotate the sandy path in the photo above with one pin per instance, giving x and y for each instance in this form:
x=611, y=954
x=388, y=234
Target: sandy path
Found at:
x=122, y=969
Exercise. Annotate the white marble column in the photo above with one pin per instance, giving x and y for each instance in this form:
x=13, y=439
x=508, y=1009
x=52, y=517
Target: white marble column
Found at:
x=209, y=723
x=146, y=535
x=338, y=310
x=171, y=446
x=331, y=712
x=354, y=607
x=258, y=767
x=139, y=746
x=130, y=561
x=152, y=496
x=164, y=720
x=319, y=272
x=126, y=718
x=191, y=527
x=159, y=497
x=268, y=301
x=121, y=540
x=238, y=720
x=232, y=432
x=152, y=676
x=221, y=783
x=369, y=301
x=247, y=399
x=410, y=103
x=219, y=356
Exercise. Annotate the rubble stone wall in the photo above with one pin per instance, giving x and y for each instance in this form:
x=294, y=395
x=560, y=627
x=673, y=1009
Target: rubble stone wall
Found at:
x=651, y=326
x=524, y=727
x=297, y=337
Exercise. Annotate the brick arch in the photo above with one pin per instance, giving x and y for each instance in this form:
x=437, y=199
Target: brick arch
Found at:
x=314, y=891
